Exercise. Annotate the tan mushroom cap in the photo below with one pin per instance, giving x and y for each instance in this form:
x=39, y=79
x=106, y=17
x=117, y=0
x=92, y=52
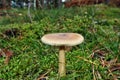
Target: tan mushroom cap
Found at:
x=62, y=39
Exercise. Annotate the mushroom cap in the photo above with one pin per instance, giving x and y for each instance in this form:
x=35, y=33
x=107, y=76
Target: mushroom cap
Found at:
x=62, y=39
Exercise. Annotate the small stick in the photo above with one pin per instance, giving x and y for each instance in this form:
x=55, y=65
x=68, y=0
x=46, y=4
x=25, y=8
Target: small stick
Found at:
x=114, y=77
x=93, y=70
x=7, y=60
x=43, y=75
x=98, y=75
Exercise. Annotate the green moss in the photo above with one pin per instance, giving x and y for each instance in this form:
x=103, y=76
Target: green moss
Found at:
x=32, y=58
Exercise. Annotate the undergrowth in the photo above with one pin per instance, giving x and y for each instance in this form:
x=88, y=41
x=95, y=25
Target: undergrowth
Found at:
x=99, y=24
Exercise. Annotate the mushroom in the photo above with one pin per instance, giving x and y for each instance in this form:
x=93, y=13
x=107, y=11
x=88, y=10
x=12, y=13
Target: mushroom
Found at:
x=62, y=40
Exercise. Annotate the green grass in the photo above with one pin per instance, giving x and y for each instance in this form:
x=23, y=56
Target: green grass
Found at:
x=99, y=24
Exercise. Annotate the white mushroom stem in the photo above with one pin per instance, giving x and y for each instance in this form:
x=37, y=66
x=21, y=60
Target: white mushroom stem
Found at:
x=62, y=70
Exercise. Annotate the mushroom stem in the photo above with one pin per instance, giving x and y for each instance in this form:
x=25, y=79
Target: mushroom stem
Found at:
x=62, y=71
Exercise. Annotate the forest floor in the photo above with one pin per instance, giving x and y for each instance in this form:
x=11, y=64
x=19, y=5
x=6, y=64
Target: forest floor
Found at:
x=97, y=58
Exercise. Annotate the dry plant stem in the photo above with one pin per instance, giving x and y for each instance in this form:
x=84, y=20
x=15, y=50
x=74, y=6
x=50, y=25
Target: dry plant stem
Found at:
x=7, y=60
x=114, y=77
x=98, y=75
x=62, y=71
x=89, y=61
x=94, y=77
x=43, y=75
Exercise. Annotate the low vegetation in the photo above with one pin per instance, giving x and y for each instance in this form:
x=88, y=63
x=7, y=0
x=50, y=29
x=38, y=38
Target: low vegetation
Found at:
x=97, y=58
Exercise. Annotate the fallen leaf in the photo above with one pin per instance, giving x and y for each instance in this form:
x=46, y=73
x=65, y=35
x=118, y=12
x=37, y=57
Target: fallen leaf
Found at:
x=7, y=54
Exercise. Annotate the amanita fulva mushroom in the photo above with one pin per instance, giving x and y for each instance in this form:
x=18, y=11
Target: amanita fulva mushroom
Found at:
x=62, y=40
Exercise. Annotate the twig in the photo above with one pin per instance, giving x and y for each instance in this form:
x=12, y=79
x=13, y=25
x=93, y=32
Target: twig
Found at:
x=114, y=77
x=93, y=70
x=98, y=75
x=43, y=75
x=7, y=60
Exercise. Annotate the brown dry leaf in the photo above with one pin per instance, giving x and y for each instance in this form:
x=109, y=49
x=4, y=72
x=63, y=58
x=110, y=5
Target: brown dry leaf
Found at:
x=7, y=53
